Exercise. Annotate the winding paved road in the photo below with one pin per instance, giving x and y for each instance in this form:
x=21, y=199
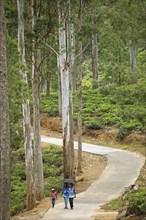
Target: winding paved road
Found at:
x=122, y=170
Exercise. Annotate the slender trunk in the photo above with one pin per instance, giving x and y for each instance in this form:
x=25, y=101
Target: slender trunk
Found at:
x=38, y=164
x=70, y=57
x=4, y=124
x=79, y=161
x=66, y=87
x=48, y=74
x=72, y=36
x=94, y=59
x=59, y=89
x=30, y=203
x=133, y=60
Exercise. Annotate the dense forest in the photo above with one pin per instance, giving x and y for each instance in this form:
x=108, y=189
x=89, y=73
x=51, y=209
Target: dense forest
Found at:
x=82, y=61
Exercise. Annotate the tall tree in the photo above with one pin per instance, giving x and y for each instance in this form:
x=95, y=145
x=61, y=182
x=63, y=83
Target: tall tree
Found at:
x=133, y=60
x=95, y=57
x=65, y=65
x=79, y=161
x=48, y=70
x=4, y=124
x=38, y=163
x=30, y=203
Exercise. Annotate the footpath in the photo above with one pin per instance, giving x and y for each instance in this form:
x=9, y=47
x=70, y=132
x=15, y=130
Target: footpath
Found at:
x=122, y=170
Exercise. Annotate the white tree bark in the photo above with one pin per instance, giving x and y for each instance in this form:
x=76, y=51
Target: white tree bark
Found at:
x=30, y=202
x=66, y=88
x=73, y=55
x=59, y=88
x=4, y=124
x=38, y=163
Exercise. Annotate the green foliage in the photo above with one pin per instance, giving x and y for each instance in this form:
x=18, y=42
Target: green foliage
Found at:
x=136, y=202
x=18, y=188
x=18, y=170
x=53, y=182
x=18, y=196
x=113, y=205
x=49, y=104
x=53, y=169
x=94, y=124
x=87, y=77
x=122, y=133
x=14, y=94
x=53, y=155
x=110, y=105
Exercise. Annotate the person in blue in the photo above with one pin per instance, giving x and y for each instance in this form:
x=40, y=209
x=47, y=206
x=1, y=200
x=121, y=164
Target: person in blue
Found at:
x=65, y=195
x=71, y=195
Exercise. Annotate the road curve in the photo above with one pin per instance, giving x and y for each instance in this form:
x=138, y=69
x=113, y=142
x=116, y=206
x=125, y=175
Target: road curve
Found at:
x=123, y=168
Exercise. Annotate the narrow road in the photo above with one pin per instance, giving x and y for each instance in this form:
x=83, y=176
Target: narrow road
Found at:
x=122, y=170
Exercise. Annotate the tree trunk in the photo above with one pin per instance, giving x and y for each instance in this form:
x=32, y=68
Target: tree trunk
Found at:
x=79, y=161
x=4, y=124
x=133, y=60
x=38, y=164
x=30, y=203
x=72, y=49
x=48, y=74
x=59, y=89
x=66, y=87
x=94, y=59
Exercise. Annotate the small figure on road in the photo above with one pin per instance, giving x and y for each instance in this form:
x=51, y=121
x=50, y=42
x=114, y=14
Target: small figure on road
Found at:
x=65, y=195
x=53, y=197
x=72, y=195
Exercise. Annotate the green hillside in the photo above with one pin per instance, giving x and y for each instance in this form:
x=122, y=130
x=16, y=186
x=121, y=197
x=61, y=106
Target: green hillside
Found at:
x=110, y=105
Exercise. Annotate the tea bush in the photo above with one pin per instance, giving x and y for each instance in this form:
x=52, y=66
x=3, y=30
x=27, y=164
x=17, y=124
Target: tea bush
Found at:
x=136, y=202
x=109, y=105
x=53, y=169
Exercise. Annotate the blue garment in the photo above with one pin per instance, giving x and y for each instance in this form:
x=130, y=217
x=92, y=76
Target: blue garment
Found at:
x=65, y=191
x=65, y=196
x=71, y=191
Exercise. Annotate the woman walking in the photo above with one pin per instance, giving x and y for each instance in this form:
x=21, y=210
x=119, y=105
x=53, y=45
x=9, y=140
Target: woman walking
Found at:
x=72, y=195
x=65, y=195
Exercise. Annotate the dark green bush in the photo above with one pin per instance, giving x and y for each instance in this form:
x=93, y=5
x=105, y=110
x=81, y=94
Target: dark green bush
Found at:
x=18, y=170
x=94, y=124
x=122, y=133
x=18, y=191
x=53, y=155
x=49, y=104
x=137, y=202
x=52, y=170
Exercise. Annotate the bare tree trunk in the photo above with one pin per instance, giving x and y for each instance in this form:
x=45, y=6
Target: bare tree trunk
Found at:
x=30, y=203
x=73, y=80
x=59, y=88
x=94, y=57
x=4, y=124
x=38, y=164
x=79, y=161
x=133, y=60
x=48, y=74
x=70, y=57
x=66, y=87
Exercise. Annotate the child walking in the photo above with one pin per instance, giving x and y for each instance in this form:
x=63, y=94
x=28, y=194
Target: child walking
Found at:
x=53, y=197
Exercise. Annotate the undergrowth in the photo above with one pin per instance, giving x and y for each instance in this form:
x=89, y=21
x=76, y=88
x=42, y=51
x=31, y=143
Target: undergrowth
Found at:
x=53, y=169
